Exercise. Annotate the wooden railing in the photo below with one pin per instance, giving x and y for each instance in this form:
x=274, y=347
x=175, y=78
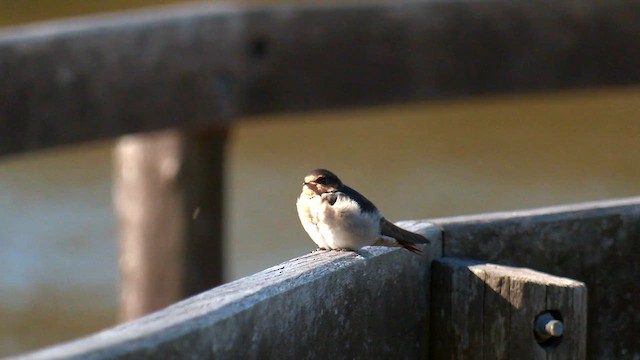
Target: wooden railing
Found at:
x=379, y=304
x=197, y=69
x=71, y=81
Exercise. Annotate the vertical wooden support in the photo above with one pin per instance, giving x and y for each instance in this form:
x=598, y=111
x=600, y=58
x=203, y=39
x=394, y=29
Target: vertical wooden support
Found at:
x=487, y=311
x=168, y=200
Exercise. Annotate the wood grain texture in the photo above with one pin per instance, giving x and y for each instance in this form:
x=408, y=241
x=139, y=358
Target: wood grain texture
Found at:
x=527, y=299
x=575, y=322
x=441, y=312
x=322, y=305
x=496, y=317
x=90, y=78
x=478, y=322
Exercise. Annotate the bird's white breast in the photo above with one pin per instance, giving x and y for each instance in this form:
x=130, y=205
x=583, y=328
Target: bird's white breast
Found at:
x=339, y=226
x=308, y=211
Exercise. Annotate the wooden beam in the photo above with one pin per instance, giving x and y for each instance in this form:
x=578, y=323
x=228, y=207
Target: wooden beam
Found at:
x=168, y=197
x=91, y=78
x=322, y=305
x=491, y=312
x=588, y=242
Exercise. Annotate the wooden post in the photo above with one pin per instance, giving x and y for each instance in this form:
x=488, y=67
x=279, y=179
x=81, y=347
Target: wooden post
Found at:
x=489, y=311
x=168, y=200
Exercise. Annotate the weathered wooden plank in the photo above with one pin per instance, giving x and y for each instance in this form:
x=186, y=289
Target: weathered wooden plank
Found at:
x=527, y=299
x=603, y=245
x=66, y=82
x=471, y=330
x=435, y=252
x=458, y=296
x=71, y=81
x=575, y=322
x=322, y=305
x=587, y=242
x=496, y=317
x=441, y=313
x=168, y=200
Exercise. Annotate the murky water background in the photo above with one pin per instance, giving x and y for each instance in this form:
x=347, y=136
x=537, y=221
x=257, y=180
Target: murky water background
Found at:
x=58, y=251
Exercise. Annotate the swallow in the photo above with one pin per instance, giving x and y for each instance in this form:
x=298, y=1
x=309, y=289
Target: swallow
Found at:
x=337, y=217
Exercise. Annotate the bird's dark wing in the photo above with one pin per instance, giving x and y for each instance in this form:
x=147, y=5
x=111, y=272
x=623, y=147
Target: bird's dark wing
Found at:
x=365, y=205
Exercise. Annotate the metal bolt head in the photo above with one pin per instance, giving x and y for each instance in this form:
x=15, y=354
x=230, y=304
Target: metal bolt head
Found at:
x=554, y=328
x=547, y=326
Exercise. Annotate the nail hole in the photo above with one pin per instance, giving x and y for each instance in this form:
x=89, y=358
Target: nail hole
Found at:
x=258, y=48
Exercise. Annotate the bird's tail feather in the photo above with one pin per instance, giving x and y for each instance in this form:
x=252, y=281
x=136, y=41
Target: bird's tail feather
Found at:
x=403, y=238
x=391, y=242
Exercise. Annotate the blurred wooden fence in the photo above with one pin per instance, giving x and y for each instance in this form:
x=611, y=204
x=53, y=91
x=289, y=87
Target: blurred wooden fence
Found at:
x=196, y=69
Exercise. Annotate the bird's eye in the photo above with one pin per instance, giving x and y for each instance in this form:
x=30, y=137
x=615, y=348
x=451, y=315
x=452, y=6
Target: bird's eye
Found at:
x=321, y=180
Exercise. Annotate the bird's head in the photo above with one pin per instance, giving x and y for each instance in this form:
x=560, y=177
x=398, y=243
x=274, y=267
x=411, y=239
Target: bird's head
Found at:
x=320, y=181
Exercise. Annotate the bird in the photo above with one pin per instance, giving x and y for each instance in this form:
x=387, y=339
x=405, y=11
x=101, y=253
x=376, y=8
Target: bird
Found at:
x=337, y=217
